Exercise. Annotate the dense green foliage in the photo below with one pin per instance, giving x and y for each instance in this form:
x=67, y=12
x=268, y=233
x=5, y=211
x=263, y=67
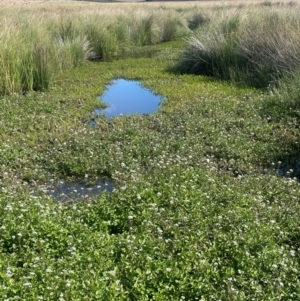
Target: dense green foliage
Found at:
x=206, y=205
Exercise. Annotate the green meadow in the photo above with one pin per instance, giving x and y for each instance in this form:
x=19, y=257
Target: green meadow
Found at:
x=206, y=203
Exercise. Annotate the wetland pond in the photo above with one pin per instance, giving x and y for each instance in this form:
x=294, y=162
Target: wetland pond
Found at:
x=126, y=97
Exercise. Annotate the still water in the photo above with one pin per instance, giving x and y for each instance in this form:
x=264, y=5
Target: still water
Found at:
x=125, y=97
x=65, y=191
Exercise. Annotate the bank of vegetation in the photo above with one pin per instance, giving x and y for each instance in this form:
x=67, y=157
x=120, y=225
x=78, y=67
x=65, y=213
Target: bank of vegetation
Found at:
x=206, y=204
x=254, y=44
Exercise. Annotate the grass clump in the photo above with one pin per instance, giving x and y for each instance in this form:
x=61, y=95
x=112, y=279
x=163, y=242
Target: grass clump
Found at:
x=42, y=68
x=196, y=20
x=250, y=47
x=10, y=72
x=212, y=53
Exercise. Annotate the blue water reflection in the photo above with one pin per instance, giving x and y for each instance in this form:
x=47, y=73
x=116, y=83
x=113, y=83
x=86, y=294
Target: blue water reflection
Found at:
x=125, y=97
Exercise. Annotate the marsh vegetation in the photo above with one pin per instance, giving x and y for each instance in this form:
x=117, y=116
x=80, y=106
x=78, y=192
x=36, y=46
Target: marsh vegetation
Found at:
x=206, y=203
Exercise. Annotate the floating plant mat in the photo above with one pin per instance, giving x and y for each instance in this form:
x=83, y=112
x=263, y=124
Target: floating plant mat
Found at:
x=125, y=97
x=68, y=191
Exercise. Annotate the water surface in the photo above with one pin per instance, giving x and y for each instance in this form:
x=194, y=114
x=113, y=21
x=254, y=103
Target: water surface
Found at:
x=125, y=97
x=290, y=171
x=65, y=191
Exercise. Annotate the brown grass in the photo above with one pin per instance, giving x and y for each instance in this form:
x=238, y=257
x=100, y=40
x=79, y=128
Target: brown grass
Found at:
x=116, y=2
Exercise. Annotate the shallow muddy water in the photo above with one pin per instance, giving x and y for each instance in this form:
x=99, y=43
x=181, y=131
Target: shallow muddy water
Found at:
x=290, y=171
x=64, y=191
x=126, y=97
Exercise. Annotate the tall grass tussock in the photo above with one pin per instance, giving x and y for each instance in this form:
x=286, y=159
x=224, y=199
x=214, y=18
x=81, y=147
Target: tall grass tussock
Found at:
x=57, y=36
x=250, y=45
